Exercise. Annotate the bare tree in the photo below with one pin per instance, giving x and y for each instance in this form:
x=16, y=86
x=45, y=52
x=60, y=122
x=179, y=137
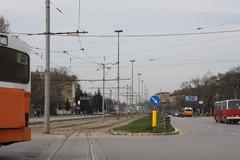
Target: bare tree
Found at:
x=211, y=88
x=61, y=89
x=4, y=25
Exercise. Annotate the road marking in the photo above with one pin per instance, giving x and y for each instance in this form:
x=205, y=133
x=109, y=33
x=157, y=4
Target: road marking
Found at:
x=180, y=133
x=219, y=129
x=235, y=134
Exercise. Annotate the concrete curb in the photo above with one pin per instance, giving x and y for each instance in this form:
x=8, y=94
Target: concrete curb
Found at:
x=177, y=131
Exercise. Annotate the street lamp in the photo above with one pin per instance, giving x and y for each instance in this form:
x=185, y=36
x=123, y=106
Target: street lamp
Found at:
x=118, y=102
x=142, y=91
x=139, y=101
x=103, y=97
x=132, y=61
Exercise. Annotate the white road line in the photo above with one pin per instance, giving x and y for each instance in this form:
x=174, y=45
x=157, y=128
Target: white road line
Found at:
x=235, y=134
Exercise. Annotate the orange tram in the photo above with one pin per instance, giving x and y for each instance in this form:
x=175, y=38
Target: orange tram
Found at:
x=15, y=90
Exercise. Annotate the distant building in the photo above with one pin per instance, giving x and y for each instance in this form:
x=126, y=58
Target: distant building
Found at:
x=67, y=88
x=69, y=92
x=173, y=98
x=164, y=97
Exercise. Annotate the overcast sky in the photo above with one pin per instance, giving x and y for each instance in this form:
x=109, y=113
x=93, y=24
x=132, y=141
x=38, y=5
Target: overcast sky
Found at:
x=176, y=58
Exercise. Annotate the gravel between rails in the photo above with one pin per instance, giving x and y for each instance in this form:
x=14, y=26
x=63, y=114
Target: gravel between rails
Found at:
x=83, y=125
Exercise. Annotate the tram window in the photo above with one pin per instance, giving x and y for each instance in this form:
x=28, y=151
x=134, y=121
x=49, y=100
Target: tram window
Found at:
x=234, y=104
x=14, y=66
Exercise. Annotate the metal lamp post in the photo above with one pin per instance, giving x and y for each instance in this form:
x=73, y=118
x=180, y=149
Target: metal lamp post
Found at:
x=139, y=99
x=132, y=61
x=118, y=101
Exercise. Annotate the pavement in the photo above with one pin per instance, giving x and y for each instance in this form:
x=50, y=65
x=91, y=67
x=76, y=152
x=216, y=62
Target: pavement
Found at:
x=200, y=138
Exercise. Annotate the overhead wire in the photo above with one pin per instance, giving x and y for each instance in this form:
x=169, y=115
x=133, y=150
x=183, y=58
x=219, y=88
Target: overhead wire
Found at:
x=65, y=15
x=76, y=33
x=187, y=53
x=78, y=27
x=166, y=35
x=178, y=64
x=66, y=53
x=172, y=46
x=158, y=35
x=83, y=50
x=79, y=39
x=154, y=49
x=199, y=28
x=217, y=25
x=200, y=50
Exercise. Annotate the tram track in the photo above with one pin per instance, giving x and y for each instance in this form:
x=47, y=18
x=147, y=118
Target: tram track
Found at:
x=90, y=145
x=102, y=149
x=67, y=124
x=82, y=126
x=53, y=156
x=82, y=135
x=93, y=154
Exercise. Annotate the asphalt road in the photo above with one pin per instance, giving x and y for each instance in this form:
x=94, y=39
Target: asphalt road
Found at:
x=200, y=139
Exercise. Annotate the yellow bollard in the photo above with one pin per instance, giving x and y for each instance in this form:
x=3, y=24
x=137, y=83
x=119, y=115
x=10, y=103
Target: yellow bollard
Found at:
x=154, y=118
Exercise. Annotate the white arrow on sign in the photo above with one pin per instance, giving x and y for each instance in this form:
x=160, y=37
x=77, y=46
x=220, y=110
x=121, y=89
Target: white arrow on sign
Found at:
x=155, y=101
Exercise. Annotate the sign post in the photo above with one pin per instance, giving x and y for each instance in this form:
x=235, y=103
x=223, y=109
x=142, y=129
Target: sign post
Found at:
x=154, y=101
x=154, y=118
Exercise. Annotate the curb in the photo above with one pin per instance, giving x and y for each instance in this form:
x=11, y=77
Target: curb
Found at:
x=177, y=131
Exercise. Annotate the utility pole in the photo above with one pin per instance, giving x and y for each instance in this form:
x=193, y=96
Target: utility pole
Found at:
x=47, y=72
x=142, y=91
x=132, y=61
x=110, y=99
x=127, y=101
x=118, y=103
x=139, y=106
x=103, y=97
x=127, y=94
x=139, y=74
x=145, y=92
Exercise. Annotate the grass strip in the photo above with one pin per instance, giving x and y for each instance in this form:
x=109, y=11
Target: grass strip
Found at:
x=143, y=125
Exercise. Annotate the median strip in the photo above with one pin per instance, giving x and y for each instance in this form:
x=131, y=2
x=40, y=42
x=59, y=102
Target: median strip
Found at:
x=142, y=127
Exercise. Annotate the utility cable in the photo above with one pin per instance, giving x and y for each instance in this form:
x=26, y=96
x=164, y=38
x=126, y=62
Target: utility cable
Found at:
x=60, y=11
x=66, y=53
x=76, y=33
x=182, y=64
x=82, y=49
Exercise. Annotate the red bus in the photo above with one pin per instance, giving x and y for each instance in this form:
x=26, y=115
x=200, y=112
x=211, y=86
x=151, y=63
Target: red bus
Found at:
x=227, y=111
x=15, y=90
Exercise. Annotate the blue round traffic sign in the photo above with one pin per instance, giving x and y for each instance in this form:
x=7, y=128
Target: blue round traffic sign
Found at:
x=155, y=101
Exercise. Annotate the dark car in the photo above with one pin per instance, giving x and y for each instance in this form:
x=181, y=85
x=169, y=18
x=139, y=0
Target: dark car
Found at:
x=178, y=114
